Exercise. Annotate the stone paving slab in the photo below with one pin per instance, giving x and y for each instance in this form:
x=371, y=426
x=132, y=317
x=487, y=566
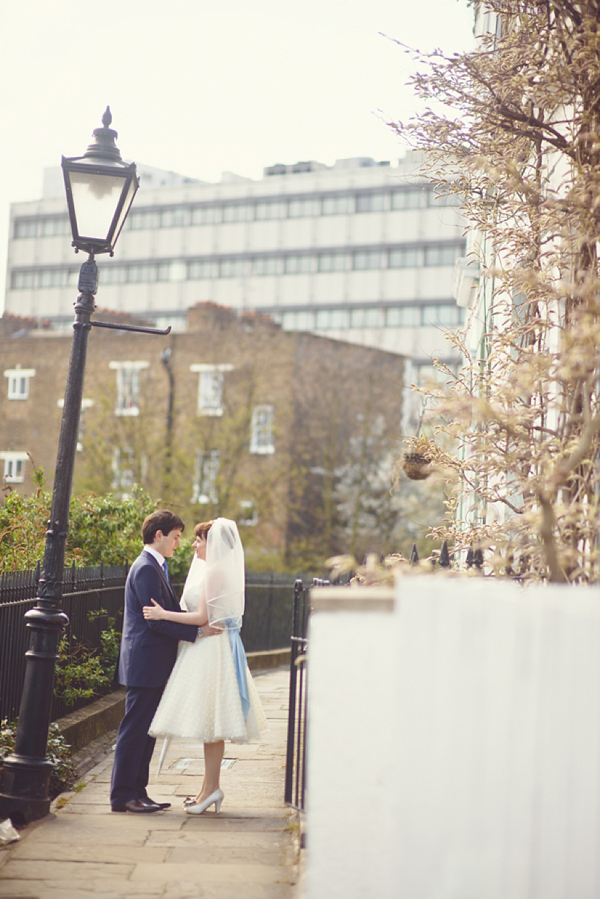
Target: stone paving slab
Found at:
x=84, y=851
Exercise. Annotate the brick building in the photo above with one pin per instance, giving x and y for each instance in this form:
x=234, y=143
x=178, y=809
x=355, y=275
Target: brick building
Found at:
x=289, y=433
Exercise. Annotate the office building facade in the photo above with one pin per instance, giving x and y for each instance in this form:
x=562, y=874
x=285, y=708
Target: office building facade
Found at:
x=361, y=251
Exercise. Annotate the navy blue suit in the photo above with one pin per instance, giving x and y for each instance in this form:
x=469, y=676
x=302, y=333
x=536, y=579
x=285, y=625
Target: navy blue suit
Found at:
x=148, y=653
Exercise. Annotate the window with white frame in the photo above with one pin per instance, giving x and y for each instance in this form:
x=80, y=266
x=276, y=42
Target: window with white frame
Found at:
x=128, y=386
x=85, y=404
x=261, y=436
x=248, y=513
x=14, y=467
x=205, y=477
x=211, y=383
x=123, y=466
x=18, y=382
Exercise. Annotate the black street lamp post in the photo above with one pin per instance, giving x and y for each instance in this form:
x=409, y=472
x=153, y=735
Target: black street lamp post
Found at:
x=100, y=189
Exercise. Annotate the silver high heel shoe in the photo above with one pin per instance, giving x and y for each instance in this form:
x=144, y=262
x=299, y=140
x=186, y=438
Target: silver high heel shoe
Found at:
x=197, y=808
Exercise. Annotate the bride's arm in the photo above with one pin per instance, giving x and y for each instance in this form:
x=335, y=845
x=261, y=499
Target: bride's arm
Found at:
x=156, y=612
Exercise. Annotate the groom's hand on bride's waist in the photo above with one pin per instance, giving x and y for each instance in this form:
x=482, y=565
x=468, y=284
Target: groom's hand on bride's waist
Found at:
x=207, y=630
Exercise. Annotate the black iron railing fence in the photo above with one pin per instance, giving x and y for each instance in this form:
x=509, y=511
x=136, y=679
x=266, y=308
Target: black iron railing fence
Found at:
x=92, y=596
x=295, y=768
x=93, y=601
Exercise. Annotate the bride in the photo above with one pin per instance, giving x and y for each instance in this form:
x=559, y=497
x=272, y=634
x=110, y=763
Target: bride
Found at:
x=210, y=695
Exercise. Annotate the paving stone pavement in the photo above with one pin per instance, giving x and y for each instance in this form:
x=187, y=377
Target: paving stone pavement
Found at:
x=82, y=850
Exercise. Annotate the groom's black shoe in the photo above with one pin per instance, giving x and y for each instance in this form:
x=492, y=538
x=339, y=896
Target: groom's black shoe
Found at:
x=161, y=805
x=140, y=806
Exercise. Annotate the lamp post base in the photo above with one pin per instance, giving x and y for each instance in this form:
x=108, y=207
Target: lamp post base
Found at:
x=24, y=796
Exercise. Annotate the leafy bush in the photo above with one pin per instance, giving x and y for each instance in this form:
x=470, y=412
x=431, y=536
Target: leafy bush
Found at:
x=82, y=673
x=101, y=528
x=79, y=673
x=59, y=753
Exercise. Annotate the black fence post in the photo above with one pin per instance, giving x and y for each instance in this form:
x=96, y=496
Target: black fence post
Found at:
x=444, y=560
x=289, y=766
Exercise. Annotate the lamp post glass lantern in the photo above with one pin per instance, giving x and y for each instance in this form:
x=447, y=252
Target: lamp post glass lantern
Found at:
x=100, y=188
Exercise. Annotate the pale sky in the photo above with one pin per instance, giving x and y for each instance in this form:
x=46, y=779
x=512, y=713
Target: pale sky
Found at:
x=200, y=87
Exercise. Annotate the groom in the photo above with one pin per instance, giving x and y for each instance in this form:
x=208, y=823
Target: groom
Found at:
x=148, y=652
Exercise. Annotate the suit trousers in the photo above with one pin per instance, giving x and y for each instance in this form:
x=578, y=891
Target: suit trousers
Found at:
x=134, y=747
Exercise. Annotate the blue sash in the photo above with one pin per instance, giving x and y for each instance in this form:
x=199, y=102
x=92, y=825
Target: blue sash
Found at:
x=240, y=662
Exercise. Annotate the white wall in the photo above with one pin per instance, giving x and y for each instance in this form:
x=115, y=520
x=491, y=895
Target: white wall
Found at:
x=454, y=743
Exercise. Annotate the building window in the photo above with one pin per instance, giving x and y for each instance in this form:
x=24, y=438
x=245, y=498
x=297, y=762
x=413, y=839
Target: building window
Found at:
x=137, y=274
x=248, y=513
x=22, y=280
x=174, y=218
x=302, y=208
x=237, y=213
x=367, y=259
x=232, y=268
x=202, y=269
x=331, y=318
x=18, y=382
x=206, y=475
x=272, y=209
x=440, y=315
x=442, y=255
x=339, y=205
x=206, y=215
x=304, y=321
x=85, y=404
x=57, y=226
x=413, y=198
x=334, y=262
x=211, y=382
x=261, y=437
x=267, y=265
x=123, y=468
x=14, y=467
x=128, y=386
x=370, y=202
x=26, y=228
x=142, y=219
x=404, y=257
x=52, y=277
x=403, y=317
x=296, y=265
x=366, y=318
x=113, y=274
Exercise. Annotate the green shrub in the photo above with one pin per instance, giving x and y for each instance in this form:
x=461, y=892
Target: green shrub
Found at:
x=59, y=753
x=83, y=673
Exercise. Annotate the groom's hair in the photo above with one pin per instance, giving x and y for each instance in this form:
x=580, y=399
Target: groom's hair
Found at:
x=161, y=520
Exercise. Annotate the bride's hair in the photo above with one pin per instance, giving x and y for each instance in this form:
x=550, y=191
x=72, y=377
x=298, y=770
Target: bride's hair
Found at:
x=201, y=530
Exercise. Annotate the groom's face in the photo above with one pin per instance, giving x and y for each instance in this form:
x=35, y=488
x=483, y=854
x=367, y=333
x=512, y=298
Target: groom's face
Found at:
x=166, y=544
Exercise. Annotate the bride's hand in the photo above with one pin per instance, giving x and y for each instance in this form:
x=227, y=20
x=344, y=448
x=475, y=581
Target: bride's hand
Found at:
x=153, y=612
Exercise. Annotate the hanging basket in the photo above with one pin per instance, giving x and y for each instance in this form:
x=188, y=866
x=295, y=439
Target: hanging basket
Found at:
x=416, y=466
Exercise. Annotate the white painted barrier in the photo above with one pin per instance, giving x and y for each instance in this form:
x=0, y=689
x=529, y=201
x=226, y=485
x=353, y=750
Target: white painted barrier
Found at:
x=454, y=743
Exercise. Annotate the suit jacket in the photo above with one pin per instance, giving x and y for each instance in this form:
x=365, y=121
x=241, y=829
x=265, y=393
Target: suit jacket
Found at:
x=149, y=648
